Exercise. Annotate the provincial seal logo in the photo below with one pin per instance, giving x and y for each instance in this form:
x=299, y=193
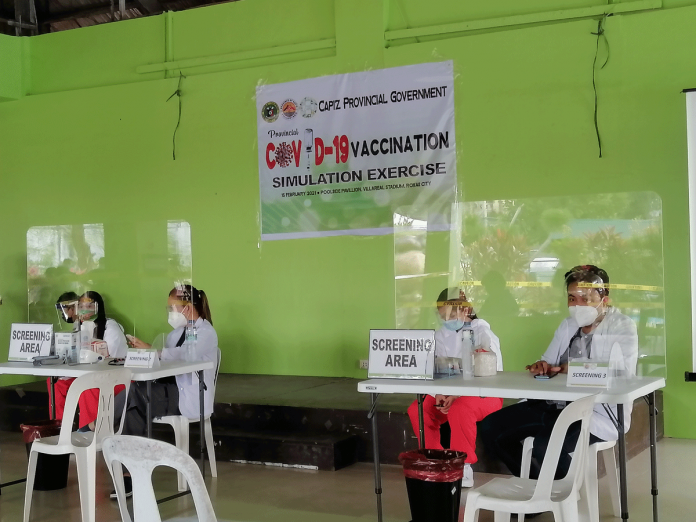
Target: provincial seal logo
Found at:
x=270, y=112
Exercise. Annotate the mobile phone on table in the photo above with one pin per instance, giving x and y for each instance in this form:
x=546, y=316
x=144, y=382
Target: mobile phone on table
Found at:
x=547, y=376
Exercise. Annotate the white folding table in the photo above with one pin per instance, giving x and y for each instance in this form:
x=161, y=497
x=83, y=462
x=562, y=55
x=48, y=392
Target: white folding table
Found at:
x=166, y=369
x=521, y=385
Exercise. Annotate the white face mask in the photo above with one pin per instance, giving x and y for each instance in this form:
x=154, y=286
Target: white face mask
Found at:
x=176, y=320
x=584, y=315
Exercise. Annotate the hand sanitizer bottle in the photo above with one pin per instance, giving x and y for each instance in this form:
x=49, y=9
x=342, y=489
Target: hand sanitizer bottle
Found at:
x=190, y=341
x=467, y=339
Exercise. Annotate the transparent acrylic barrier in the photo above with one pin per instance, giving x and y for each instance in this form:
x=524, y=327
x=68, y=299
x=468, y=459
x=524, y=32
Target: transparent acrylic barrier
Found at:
x=132, y=265
x=424, y=244
x=511, y=260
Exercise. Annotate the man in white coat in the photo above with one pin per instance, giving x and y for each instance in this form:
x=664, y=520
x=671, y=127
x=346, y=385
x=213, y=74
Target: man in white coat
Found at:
x=594, y=330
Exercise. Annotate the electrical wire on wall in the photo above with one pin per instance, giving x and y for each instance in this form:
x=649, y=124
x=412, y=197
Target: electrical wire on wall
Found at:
x=177, y=93
x=600, y=34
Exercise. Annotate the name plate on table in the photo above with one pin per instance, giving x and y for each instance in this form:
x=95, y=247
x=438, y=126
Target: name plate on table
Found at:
x=142, y=359
x=588, y=373
x=30, y=340
x=401, y=354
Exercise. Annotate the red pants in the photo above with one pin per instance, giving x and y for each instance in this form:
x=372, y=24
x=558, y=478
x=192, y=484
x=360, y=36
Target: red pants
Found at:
x=88, y=402
x=463, y=415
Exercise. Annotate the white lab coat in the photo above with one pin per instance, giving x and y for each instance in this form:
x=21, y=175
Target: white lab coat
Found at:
x=446, y=341
x=207, y=350
x=615, y=338
x=115, y=339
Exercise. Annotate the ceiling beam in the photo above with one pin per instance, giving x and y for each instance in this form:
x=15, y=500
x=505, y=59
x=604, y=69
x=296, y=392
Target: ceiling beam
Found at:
x=150, y=6
x=85, y=13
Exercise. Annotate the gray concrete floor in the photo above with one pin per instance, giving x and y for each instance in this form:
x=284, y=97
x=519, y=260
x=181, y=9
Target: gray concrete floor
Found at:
x=250, y=493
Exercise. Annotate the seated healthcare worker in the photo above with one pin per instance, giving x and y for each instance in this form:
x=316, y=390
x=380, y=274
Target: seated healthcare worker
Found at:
x=91, y=308
x=66, y=307
x=462, y=412
x=594, y=330
x=179, y=396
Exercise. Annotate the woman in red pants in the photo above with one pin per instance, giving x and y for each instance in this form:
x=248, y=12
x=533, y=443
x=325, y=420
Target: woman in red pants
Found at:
x=462, y=412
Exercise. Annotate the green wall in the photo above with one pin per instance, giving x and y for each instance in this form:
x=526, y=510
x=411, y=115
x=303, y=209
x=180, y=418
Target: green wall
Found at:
x=91, y=133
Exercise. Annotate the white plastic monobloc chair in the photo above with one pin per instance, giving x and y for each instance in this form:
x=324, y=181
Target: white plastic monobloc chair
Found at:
x=181, y=432
x=505, y=496
x=140, y=456
x=83, y=445
x=590, y=486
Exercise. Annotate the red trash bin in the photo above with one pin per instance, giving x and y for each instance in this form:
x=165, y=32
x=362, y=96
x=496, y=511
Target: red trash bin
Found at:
x=51, y=470
x=433, y=483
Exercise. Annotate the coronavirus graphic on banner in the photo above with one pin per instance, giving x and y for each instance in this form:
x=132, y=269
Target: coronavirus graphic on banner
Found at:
x=364, y=145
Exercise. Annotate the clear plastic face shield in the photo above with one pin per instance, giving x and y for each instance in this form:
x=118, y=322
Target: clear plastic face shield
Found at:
x=455, y=312
x=67, y=311
x=596, y=349
x=177, y=305
x=587, y=297
x=178, y=311
x=87, y=309
x=587, y=304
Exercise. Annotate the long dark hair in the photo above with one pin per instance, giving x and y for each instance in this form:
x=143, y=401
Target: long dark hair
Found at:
x=100, y=321
x=197, y=298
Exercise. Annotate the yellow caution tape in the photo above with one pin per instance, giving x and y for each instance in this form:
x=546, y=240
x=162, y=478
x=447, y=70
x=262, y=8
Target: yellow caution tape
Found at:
x=459, y=304
x=538, y=284
x=618, y=286
x=539, y=307
x=637, y=305
x=509, y=283
x=422, y=276
x=636, y=287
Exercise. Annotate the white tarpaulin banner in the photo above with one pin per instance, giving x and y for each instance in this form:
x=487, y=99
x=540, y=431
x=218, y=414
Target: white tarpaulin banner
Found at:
x=339, y=154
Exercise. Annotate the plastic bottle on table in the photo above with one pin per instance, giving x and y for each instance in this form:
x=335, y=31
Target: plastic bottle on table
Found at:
x=467, y=340
x=190, y=341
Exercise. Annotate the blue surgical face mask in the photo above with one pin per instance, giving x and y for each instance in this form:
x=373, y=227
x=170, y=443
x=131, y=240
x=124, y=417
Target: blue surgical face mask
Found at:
x=453, y=324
